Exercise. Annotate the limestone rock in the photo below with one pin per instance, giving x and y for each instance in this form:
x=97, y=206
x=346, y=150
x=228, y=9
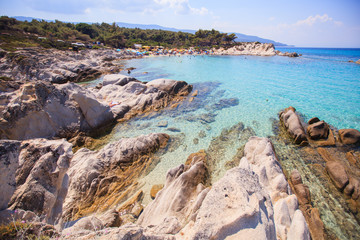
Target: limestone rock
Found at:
x=293, y=125
x=172, y=87
x=99, y=176
x=110, y=218
x=9, y=162
x=57, y=66
x=36, y=169
x=260, y=157
x=45, y=110
x=318, y=130
x=179, y=198
x=349, y=136
x=298, y=228
x=237, y=207
x=253, y=48
x=84, y=226
x=136, y=97
x=338, y=174
x=117, y=79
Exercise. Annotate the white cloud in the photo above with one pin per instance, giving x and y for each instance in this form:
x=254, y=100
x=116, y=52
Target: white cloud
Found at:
x=182, y=7
x=311, y=20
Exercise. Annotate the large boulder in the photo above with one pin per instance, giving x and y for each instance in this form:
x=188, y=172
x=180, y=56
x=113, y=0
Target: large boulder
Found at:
x=293, y=125
x=318, y=130
x=349, y=136
x=236, y=207
x=45, y=110
x=178, y=200
x=260, y=157
x=36, y=170
x=134, y=97
x=338, y=174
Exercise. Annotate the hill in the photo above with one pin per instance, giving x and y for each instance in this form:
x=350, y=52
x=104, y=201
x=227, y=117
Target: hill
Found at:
x=240, y=36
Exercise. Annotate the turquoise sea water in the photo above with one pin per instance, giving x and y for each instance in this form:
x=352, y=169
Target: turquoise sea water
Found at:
x=321, y=83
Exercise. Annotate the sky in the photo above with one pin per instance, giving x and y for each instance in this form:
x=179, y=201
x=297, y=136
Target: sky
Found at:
x=303, y=23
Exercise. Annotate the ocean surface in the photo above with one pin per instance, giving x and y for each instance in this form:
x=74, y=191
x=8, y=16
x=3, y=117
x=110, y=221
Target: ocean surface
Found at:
x=251, y=90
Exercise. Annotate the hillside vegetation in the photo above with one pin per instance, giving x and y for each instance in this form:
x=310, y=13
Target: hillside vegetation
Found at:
x=58, y=34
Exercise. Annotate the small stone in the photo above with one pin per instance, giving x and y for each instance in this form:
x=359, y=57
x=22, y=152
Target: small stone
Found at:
x=155, y=189
x=137, y=210
x=295, y=177
x=162, y=123
x=202, y=134
x=172, y=129
x=303, y=193
x=196, y=141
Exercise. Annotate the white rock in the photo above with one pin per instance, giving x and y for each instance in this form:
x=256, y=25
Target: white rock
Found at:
x=117, y=79
x=236, y=207
x=299, y=229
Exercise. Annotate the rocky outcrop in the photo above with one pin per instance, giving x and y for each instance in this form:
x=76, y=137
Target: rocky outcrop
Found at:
x=99, y=180
x=57, y=66
x=318, y=129
x=293, y=125
x=312, y=215
x=117, y=79
x=287, y=54
x=349, y=136
x=46, y=110
x=253, y=48
x=132, y=97
x=35, y=170
x=260, y=157
x=251, y=200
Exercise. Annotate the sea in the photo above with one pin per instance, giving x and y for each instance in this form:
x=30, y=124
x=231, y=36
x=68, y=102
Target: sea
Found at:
x=251, y=91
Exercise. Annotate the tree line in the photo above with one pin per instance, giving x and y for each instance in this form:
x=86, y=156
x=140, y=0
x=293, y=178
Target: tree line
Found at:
x=114, y=36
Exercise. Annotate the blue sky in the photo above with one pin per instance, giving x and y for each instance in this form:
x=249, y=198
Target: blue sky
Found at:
x=303, y=23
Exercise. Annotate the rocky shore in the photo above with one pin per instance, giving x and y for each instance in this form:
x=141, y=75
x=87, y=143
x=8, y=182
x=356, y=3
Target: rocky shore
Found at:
x=54, y=185
x=253, y=48
x=56, y=66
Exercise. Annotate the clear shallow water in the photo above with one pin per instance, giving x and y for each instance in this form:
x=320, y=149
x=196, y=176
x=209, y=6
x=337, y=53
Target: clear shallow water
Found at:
x=320, y=83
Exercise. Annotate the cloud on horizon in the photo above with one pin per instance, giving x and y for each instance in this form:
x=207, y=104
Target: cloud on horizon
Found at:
x=311, y=20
